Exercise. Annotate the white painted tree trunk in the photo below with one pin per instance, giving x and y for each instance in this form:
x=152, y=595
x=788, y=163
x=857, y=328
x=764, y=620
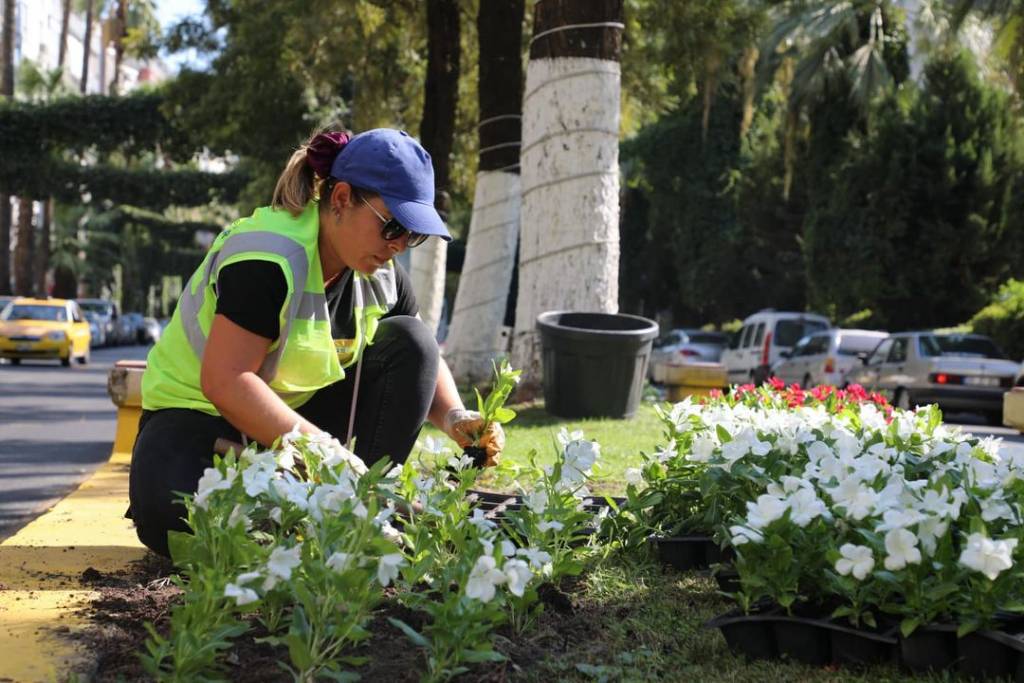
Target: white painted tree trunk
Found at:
x=569, y=226
x=429, y=261
x=477, y=334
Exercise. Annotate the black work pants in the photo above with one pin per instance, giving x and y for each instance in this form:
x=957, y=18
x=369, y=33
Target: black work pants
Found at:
x=396, y=387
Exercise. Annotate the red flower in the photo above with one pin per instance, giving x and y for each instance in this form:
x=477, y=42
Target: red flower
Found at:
x=777, y=384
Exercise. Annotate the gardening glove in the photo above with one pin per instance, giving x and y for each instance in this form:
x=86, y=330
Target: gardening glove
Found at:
x=466, y=428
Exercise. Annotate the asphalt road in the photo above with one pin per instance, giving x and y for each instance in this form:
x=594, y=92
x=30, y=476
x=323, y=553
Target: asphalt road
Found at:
x=56, y=427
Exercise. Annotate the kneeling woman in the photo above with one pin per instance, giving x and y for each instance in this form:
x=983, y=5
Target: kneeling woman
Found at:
x=299, y=315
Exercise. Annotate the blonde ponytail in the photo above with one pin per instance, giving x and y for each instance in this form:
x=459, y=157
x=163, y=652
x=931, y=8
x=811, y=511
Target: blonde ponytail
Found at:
x=309, y=166
x=296, y=186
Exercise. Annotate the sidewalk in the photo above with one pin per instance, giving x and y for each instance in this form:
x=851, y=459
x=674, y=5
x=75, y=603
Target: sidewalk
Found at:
x=41, y=567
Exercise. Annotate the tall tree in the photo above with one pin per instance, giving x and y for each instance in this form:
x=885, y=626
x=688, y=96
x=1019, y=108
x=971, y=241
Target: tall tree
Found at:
x=65, y=19
x=86, y=45
x=23, y=249
x=120, y=33
x=569, y=234
x=6, y=91
x=437, y=134
x=478, y=333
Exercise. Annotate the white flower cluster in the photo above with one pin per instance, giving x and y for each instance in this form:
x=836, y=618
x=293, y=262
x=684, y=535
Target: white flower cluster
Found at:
x=907, y=481
x=515, y=572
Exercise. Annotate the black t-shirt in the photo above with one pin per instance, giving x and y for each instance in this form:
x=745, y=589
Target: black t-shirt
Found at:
x=250, y=294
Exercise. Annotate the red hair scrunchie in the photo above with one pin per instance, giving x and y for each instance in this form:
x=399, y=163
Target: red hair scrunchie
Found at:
x=323, y=149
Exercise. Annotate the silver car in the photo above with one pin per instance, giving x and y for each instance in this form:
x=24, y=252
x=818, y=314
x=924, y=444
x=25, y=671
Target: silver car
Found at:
x=958, y=372
x=688, y=346
x=826, y=357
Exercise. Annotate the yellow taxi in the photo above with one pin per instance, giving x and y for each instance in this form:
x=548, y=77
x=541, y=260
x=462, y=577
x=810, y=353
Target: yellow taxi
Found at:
x=44, y=329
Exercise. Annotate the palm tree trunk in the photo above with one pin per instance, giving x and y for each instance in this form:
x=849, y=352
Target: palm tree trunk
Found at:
x=65, y=18
x=86, y=46
x=478, y=333
x=23, y=283
x=437, y=134
x=42, y=257
x=6, y=90
x=120, y=31
x=569, y=223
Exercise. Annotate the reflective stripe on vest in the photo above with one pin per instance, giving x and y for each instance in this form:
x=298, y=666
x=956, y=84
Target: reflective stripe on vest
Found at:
x=293, y=252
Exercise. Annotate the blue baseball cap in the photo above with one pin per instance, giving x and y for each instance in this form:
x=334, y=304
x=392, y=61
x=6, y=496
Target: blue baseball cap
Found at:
x=392, y=164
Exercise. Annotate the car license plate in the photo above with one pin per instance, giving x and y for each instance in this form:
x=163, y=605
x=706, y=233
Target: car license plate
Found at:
x=982, y=381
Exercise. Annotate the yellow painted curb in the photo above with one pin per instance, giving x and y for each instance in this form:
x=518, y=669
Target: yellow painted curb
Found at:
x=1013, y=408
x=41, y=568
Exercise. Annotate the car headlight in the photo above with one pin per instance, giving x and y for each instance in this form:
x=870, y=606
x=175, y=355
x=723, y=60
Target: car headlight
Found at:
x=56, y=335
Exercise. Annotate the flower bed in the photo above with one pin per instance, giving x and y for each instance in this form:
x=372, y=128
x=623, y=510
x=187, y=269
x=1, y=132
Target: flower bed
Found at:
x=839, y=507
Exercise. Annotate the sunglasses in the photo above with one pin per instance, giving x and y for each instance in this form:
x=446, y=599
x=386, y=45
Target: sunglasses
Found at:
x=393, y=230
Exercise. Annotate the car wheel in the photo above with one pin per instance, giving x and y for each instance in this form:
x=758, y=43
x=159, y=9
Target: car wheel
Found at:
x=902, y=399
x=994, y=418
x=66, y=362
x=15, y=361
x=807, y=382
x=84, y=358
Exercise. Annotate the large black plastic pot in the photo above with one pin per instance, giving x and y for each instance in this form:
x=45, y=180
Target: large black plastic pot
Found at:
x=863, y=646
x=803, y=639
x=594, y=363
x=684, y=552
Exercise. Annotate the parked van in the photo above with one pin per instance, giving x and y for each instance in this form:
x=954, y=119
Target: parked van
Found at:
x=764, y=336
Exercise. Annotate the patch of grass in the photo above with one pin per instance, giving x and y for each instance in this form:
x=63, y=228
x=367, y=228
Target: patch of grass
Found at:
x=534, y=430
x=639, y=621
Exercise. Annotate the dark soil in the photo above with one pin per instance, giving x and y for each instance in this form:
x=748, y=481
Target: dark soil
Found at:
x=144, y=593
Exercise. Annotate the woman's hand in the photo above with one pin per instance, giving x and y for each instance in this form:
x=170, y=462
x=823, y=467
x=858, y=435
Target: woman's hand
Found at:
x=466, y=428
x=228, y=378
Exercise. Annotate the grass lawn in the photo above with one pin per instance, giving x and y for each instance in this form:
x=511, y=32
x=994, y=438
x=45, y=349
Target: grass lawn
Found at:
x=534, y=430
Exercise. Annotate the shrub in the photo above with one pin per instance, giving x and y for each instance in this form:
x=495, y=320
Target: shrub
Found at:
x=1003, y=319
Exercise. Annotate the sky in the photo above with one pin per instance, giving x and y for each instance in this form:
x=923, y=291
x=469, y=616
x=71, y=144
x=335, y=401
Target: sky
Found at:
x=169, y=12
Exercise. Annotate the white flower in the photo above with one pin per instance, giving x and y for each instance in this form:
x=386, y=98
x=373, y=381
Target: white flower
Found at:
x=579, y=456
x=248, y=576
x=547, y=525
x=819, y=450
x=328, y=498
x=295, y=492
x=804, y=506
x=293, y=436
x=537, y=501
x=280, y=565
x=535, y=556
x=517, y=575
x=480, y=521
x=285, y=458
x=701, y=449
x=856, y=559
x=901, y=546
x=459, y=463
x=929, y=531
x=742, y=534
x=987, y=556
x=256, y=479
x=212, y=480
x=995, y=507
x=899, y=519
x=387, y=568
x=508, y=549
x=666, y=452
x=433, y=446
x=565, y=437
x=275, y=515
x=242, y=596
x=339, y=561
x=853, y=496
x=766, y=510
x=634, y=476
x=483, y=579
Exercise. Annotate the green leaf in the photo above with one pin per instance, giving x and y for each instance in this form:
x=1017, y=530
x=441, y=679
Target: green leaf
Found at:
x=476, y=656
x=909, y=625
x=504, y=415
x=410, y=632
x=180, y=544
x=298, y=651
x=723, y=434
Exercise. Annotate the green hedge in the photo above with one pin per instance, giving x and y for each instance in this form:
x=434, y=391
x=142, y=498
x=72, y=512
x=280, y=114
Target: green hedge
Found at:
x=1003, y=319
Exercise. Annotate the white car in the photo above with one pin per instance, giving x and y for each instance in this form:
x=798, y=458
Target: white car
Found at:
x=764, y=336
x=826, y=357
